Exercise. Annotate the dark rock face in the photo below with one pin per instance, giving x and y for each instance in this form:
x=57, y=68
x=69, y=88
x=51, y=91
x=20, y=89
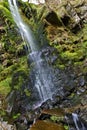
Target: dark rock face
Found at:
x=70, y=13
x=65, y=20
x=21, y=52
x=53, y=19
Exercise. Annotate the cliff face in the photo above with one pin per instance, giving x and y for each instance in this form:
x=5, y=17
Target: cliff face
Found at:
x=64, y=24
x=59, y=24
x=60, y=28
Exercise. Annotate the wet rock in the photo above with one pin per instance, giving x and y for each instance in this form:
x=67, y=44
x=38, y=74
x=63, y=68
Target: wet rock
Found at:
x=83, y=114
x=21, y=126
x=49, y=54
x=46, y=105
x=81, y=81
x=59, y=112
x=75, y=121
x=44, y=116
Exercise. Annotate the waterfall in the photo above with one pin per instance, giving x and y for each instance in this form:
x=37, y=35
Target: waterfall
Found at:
x=24, y=29
x=43, y=76
x=78, y=123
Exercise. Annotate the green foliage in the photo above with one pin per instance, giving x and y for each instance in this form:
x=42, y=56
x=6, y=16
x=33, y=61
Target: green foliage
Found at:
x=10, y=29
x=27, y=92
x=16, y=116
x=56, y=118
x=66, y=127
x=69, y=55
x=1, y=68
x=2, y=113
x=19, y=79
x=22, y=65
x=6, y=76
x=6, y=72
x=84, y=47
x=5, y=86
x=18, y=84
x=5, y=12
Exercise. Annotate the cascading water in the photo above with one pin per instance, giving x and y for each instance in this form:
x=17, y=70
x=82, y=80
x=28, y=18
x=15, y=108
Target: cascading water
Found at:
x=78, y=123
x=24, y=29
x=43, y=77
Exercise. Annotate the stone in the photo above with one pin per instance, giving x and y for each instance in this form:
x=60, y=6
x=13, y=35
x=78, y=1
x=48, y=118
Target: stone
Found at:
x=46, y=125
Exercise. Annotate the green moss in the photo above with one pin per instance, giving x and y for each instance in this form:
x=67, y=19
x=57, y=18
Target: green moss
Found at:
x=69, y=55
x=23, y=64
x=5, y=86
x=71, y=95
x=5, y=11
x=84, y=32
x=61, y=66
x=16, y=116
x=18, y=83
x=78, y=63
x=20, y=75
x=27, y=92
x=74, y=56
x=7, y=73
x=2, y=113
x=66, y=127
x=1, y=68
x=12, y=44
x=54, y=118
x=59, y=47
x=84, y=70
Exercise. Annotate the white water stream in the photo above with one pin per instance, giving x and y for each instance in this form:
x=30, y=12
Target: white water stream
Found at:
x=43, y=80
x=78, y=124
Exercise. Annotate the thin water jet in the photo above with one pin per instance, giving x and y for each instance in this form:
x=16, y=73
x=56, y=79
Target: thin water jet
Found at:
x=78, y=123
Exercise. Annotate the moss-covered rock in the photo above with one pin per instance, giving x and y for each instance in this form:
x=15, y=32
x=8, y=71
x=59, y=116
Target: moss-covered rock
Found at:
x=12, y=51
x=46, y=125
x=70, y=38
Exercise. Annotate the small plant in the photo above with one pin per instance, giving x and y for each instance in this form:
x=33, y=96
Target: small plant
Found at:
x=66, y=127
x=56, y=118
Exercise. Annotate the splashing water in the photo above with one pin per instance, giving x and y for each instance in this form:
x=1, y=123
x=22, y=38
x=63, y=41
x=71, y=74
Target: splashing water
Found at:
x=43, y=76
x=78, y=124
